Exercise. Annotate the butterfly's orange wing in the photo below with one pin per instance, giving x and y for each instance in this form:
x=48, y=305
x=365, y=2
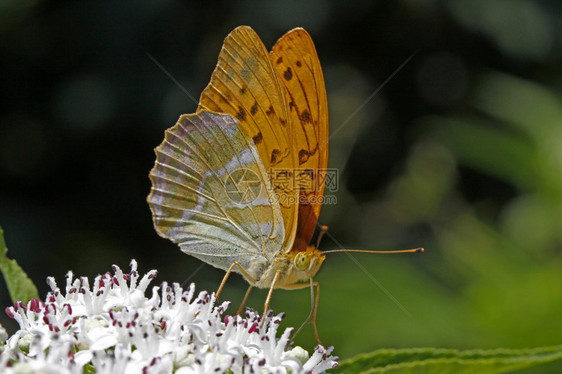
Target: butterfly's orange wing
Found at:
x=245, y=85
x=296, y=63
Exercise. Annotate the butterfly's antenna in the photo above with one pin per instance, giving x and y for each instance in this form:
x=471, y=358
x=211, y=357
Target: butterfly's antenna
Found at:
x=323, y=230
x=415, y=250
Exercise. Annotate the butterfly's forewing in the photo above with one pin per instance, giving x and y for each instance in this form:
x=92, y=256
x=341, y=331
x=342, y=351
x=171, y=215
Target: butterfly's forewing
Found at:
x=296, y=63
x=245, y=85
x=211, y=195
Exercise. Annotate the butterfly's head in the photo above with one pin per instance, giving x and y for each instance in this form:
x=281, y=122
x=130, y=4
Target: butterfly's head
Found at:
x=307, y=263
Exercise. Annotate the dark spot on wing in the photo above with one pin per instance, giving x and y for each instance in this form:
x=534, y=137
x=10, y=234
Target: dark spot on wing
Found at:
x=241, y=115
x=283, y=174
x=246, y=73
x=270, y=111
x=292, y=105
x=299, y=64
x=305, y=116
x=281, y=180
x=275, y=156
x=306, y=184
x=279, y=60
x=258, y=138
x=254, y=109
x=288, y=74
x=283, y=122
x=303, y=156
x=243, y=90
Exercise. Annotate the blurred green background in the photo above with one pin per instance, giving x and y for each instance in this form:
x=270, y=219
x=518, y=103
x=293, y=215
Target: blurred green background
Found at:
x=460, y=152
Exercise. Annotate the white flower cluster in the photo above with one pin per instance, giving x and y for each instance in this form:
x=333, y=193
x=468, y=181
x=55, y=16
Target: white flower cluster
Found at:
x=113, y=328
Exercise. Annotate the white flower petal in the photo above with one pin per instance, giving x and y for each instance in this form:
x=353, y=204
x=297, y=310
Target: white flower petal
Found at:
x=113, y=327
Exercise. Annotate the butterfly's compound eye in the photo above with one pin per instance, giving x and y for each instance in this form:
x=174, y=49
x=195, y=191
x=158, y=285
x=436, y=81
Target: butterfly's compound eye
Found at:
x=302, y=261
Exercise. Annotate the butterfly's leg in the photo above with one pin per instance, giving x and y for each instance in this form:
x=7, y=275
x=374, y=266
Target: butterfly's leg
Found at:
x=245, y=274
x=268, y=298
x=315, y=308
x=313, y=304
x=245, y=298
x=226, y=275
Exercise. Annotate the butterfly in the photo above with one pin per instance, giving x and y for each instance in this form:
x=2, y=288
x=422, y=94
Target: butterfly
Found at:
x=239, y=183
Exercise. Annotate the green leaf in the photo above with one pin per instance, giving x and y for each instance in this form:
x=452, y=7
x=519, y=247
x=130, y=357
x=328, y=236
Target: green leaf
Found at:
x=434, y=360
x=21, y=288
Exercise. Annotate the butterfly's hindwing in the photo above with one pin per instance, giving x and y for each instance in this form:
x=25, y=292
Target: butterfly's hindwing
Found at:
x=210, y=194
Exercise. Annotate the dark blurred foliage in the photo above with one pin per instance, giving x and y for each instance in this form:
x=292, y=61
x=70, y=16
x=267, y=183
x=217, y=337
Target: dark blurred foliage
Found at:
x=460, y=152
